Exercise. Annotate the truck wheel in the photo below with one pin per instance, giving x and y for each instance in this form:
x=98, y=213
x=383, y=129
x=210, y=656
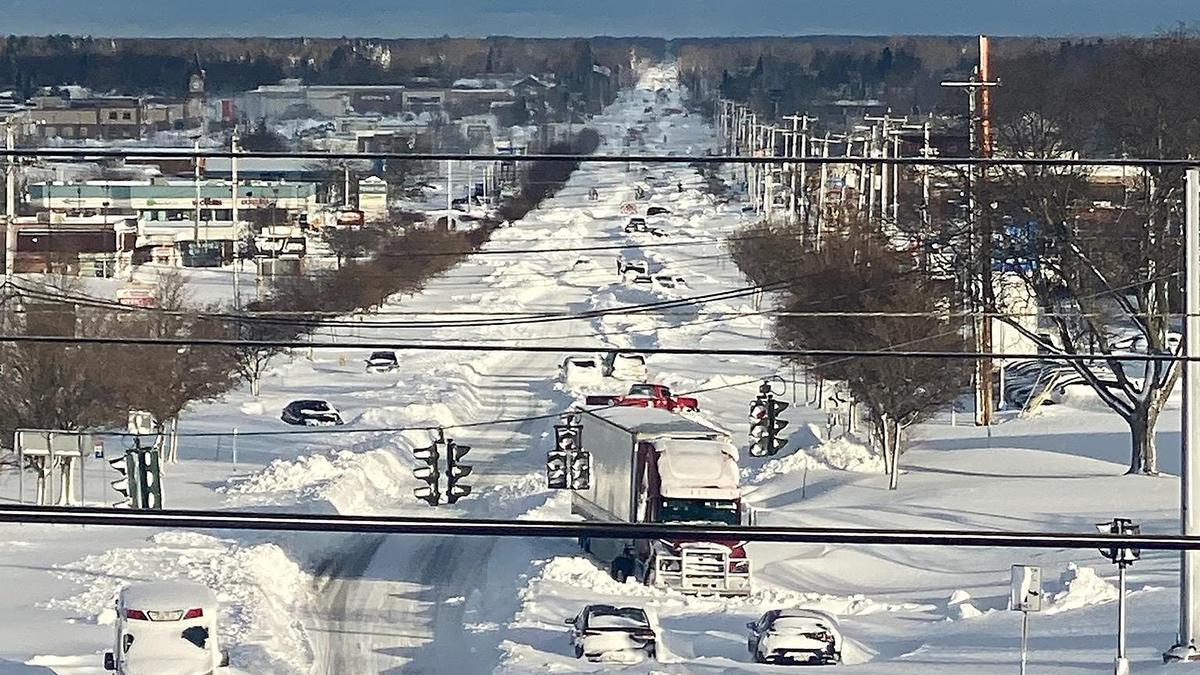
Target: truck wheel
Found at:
x=622, y=569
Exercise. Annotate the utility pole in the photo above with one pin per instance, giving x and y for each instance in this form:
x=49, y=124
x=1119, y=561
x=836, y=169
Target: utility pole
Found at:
x=983, y=325
x=800, y=132
x=10, y=200
x=196, y=167
x=1189, y=471
x=886, y=172
x=237, y=240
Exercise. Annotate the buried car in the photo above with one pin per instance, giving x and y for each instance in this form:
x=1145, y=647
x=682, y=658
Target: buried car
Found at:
x=166, y=628
x=646, y=396
x=795, y=636
x=605, y=632
x=382, y=362
x=311, y=413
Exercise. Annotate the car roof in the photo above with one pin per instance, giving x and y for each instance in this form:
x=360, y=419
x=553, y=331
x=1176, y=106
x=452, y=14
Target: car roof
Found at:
x=309, y=402
x=804, y=614
x=167, y=595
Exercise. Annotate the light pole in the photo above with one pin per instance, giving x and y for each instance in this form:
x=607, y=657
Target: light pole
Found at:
x=10, y=199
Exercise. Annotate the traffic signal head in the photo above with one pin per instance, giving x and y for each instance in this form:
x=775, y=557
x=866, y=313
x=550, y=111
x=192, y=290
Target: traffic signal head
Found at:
x=427, y=472
x=455, y=452
x=581, y=471
x=126, y=483
x=150, y=479
x=557, y=477
x=456, y=472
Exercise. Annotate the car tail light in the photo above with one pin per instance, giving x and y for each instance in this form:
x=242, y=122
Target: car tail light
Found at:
x=136, y=614
x=739, y=566
x=194, y=613
x=645, y=634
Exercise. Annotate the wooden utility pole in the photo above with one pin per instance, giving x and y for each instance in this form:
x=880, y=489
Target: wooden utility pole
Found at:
x=981, y=228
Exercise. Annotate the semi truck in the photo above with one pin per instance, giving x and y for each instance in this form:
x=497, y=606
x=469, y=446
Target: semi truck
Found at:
x=651, y=465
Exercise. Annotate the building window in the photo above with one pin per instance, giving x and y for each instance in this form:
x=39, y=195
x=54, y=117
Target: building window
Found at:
x=68, y=132
x=83, y=131
x=126, y=116
x=112, y=115
x=51, y=131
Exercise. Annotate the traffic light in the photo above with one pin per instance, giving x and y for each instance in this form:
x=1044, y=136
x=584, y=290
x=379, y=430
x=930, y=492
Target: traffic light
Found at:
x=775, y=425
x=765, y=423
x=558, y=470
x=456, y=472
x=1125, y=527
x=150, y=479
x=568, y=465
x=429, y=474
x=581, y=470
x=126, y=485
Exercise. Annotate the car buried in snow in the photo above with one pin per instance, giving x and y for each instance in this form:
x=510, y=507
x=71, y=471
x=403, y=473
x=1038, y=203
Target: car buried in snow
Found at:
x=383, y=362
x=795, y=637
x=624, y=366
x=647, y=396
x=311, y=413
x=166, y=628
x=608, y=633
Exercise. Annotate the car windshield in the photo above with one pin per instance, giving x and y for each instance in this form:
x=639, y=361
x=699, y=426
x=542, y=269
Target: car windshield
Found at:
x=319, y=406
x=383, y=356
x=720, y=511
x=642, y=390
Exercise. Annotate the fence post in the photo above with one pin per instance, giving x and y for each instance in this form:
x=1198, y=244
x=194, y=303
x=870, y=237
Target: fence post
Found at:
x=235, y=456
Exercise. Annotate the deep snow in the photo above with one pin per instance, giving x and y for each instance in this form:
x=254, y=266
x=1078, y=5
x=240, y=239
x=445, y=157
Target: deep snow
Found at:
x=308, y=603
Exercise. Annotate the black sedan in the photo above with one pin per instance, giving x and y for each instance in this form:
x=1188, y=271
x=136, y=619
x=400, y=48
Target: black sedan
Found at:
x=311, y=414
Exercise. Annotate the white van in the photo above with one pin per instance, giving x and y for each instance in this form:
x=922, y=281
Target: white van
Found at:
x=166, y=628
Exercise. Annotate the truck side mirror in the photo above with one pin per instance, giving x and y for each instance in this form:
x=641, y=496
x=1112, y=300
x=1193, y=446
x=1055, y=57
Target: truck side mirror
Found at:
x=224, y=658
x=110, y=662
x=569, y=622
x=751, y=625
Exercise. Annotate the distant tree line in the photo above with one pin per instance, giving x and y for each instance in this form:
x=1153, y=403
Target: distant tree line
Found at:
x=162, y=66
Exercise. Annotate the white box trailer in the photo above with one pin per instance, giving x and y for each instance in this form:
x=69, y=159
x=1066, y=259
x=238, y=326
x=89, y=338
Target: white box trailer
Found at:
x=653, y=466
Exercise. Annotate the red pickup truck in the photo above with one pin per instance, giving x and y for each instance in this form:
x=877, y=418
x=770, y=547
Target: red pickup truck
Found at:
x=647, y=396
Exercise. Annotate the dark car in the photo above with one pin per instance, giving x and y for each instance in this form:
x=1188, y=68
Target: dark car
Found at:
x=382, y=362
x=658, y=211
x=795, y=636
x=311, y=414
x=605, y=632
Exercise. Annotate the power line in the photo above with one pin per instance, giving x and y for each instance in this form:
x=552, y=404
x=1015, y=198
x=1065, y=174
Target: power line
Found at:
x=563, y=349
x=475, y=527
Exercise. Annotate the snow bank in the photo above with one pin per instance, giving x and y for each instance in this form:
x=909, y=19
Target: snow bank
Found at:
x=258, y=586
x=1081, y=587
x=960, y=606
x=843, y=454
x=348, y=482
x=582, y=575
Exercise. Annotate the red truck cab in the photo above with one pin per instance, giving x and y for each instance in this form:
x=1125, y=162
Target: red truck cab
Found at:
x=648, y=396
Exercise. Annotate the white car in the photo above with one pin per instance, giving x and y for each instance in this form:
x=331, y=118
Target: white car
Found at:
x=581, y=371
x=608, y=633
x=624, y=366
x=795, y=636
x=166, y=628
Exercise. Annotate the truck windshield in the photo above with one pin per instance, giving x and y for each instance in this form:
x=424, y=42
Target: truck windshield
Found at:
x=699, y=511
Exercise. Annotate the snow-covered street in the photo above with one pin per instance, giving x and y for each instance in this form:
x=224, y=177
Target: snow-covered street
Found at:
x=306, y=603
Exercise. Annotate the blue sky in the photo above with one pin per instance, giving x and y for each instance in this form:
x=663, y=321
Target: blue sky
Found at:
x=668, y=18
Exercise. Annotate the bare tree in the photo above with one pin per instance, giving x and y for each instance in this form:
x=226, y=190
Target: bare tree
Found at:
x=859, y=294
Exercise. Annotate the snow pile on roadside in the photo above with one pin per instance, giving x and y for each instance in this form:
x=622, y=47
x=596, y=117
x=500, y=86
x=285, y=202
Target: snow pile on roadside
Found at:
x=960, y=606
x=1081, y=587
x=843, y=454
x=258, y=586
x=581, y=574
x=848, y=605
x=350, y=482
